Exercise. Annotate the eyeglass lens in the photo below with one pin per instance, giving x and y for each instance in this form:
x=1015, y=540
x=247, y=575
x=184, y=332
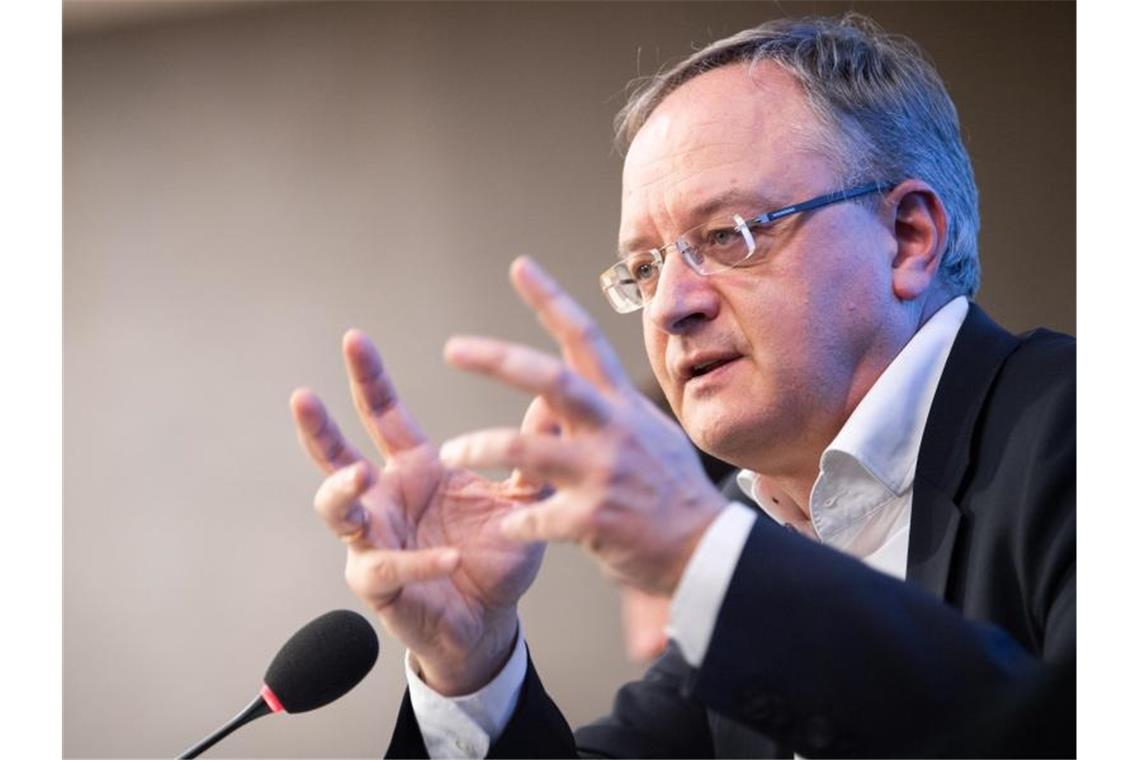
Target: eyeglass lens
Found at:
x=711, y=247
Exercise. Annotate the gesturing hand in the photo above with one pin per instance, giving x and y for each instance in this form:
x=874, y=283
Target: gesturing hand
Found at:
x=629, y=487
x=425, y=544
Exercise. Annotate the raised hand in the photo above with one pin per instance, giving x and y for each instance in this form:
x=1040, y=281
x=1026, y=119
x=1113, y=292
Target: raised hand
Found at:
x=425, y=545
x=629, y=487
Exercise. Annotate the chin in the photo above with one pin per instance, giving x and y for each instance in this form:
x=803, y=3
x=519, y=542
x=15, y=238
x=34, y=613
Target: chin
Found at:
x=722, y=434
x=748, y=436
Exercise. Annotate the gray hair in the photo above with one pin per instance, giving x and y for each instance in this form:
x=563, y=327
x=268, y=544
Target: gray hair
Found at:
x=886, y=111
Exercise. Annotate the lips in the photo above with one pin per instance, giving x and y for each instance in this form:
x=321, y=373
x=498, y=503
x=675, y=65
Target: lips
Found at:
x=702, y=364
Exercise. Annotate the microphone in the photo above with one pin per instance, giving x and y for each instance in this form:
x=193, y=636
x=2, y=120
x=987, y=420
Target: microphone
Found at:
x=319, y=664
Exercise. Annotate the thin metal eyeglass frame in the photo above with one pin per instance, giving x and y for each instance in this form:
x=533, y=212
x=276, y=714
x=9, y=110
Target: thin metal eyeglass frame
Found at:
x=765, y=219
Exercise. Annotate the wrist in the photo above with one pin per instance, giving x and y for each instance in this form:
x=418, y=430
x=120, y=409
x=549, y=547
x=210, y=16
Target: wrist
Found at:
x=469, y=671
x=690, y=540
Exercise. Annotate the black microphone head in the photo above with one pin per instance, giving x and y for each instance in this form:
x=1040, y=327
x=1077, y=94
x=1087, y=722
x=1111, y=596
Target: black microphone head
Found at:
x=322, y=661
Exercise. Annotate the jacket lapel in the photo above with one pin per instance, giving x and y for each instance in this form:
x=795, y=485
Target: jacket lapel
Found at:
x=977, y=355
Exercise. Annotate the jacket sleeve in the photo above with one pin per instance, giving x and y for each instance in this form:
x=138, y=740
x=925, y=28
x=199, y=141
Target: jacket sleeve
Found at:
x=830, y=657
x=536, y=728
x=650, y=718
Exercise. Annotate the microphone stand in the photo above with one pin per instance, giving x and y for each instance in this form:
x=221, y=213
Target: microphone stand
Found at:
x=256, y=709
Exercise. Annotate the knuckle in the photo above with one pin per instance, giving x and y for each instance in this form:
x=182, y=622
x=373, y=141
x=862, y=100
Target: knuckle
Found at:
x=610, y=470
x=379, y=396
x=585, y=329
x=593, y=523
x=498, y=358
x=515, y=450
x=565, y=382
x=384, y=573
x=463, y=448
x=592, y=543
x=585, y=528
x=356, y=581
x=321, y=501
x=334, y=448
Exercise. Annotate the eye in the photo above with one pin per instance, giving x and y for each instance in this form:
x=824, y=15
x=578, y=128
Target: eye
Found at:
x=723, y=237
x=642, y=268
x=643, y=271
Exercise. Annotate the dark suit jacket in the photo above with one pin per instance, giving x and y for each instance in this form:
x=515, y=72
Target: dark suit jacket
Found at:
x=814, y=652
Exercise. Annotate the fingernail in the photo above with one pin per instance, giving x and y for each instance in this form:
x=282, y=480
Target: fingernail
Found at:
x=355, y=476
x=450, y=559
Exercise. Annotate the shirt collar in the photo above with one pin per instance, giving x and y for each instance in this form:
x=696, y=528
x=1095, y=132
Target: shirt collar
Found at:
x=873, y=458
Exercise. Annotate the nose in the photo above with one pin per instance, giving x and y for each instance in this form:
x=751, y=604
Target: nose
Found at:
x=683, y=299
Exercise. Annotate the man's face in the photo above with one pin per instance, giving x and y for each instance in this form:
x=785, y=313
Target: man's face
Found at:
x=802, y=327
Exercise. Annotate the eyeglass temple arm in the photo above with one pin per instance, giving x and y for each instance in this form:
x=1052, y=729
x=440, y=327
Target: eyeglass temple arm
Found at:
x=823, y=200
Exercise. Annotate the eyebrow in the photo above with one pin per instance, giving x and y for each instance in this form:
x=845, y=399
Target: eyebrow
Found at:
x=709, y=207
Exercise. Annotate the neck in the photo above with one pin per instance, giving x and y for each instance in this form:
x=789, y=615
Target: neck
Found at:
x=787, y=486
x=784, y=482
x=790, y=497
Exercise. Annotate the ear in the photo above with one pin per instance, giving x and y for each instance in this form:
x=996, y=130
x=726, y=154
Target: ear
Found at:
x=918, y=219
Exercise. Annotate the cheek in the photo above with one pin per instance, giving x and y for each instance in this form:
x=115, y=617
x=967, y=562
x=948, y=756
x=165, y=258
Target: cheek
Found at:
x=793, y=319
x=840, y=310
x=772, y=312
x=655, y=345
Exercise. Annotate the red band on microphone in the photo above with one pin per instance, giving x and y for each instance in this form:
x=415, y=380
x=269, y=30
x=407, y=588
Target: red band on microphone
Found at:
x=271, y=699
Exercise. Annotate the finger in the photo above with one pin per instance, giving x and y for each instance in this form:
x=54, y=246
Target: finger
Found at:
x=318, y=434
x=583, y=344
x=541, y=458
x=378, y=576
x=388, y=422
x=552, y=520
x=538, y=420
x=568, y=394
x=338, y=504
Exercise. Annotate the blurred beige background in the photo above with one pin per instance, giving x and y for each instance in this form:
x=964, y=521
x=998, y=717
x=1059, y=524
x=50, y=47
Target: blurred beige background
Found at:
x=245, y=181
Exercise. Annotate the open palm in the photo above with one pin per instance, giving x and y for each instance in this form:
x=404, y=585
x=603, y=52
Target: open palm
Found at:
x=425, y=548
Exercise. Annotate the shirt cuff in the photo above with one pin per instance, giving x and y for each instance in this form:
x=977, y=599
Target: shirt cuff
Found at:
x=466, y=726
x=696, y=603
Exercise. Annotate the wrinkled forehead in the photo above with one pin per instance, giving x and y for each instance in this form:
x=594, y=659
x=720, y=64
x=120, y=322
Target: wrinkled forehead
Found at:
x=733, y=128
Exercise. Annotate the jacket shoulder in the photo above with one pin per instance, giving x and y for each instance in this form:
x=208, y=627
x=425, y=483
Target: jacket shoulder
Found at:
x=1044, y=347
x=1037, y=377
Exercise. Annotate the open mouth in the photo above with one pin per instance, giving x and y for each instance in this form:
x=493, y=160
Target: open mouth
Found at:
x=709, y=366
x=706, y=367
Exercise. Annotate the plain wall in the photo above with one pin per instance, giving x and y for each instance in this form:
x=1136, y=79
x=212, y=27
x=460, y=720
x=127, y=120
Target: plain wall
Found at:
x=242, y=186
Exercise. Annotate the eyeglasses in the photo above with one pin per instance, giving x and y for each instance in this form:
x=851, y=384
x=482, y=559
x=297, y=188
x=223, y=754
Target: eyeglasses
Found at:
x=715, y=246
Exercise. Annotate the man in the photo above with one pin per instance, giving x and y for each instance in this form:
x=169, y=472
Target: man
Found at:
x=799, y=224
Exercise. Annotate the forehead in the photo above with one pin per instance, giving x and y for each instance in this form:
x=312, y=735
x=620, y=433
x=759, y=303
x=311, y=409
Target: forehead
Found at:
x=741, y=129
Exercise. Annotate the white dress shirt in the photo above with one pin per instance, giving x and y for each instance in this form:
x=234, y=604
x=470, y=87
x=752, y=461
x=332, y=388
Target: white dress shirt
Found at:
x=860, y=504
